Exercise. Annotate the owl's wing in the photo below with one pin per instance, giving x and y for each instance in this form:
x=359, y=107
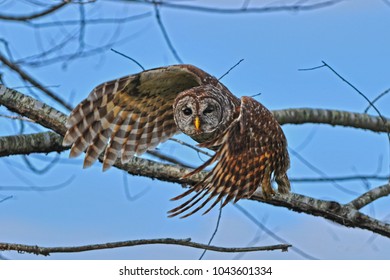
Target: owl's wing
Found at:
x=251, y=149
x=133, y=113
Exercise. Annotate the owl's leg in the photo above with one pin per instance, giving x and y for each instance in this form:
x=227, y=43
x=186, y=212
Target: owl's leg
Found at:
x=283, y=183
x=267, y=189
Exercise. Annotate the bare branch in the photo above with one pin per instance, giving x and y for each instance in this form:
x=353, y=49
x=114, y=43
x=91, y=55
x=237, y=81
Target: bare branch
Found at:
x=44, y=142
x=165, y=34
x=46, y=251
x=332, y=117
x=6, y=198
x=33, y=187
x=340, y=178
x=266, y=9
x=93, y=21
x=190, y=146
x=128, y=57
x=376, y=99
x=36, y=15
x=370, y=196
x=231, y=68
x=214, y=233
x=272, y=234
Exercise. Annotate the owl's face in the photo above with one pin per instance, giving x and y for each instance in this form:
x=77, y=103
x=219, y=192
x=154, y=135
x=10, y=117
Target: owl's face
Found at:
x=199, y=113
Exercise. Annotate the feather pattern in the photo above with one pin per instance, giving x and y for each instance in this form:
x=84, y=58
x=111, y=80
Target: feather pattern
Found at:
x=128, y=116
x=241, y=168
x=132, y=114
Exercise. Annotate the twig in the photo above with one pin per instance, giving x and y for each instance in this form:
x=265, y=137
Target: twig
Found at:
x=43, y=169
x=271, y=233
x=46, y=251
x=190, y=146
x=231, y=68
x=340, y=178
x=215, y=231
x=167, y=158
x=88, y=21
x=31, y=187
x=268, y=9
x=320, y=172
x=36, y=15
x=6, y=198
x=376, y=99
x=165, y=34
x=365, y=98
x=128, y=57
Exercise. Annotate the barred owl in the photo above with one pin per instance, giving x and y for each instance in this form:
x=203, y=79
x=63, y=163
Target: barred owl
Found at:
x=134, y=114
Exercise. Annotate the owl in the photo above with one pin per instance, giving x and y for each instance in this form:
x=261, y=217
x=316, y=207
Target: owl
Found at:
x=133, y=114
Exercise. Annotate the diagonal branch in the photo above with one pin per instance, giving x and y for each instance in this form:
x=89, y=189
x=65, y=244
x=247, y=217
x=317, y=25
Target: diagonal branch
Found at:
x=370, y=196
x=36, y=15
x=46, y=251
x=346, y=215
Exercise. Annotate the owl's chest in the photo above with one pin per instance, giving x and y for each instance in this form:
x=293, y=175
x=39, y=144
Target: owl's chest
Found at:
x=203, y=137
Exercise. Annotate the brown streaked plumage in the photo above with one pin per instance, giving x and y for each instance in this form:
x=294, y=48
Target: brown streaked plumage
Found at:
x=134, y=114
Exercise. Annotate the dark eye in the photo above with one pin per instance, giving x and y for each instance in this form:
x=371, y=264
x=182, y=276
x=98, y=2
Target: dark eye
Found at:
x=187, y=111
x=209, y=109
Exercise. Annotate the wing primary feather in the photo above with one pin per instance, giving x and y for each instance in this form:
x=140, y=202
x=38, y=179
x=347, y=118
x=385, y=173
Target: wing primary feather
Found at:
x=184, y=207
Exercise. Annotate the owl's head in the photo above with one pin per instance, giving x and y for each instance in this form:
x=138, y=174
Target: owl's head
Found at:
x=202, y=111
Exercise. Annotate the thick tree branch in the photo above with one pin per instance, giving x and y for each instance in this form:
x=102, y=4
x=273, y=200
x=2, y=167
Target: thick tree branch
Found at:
x=44, y=142
x=170, y=241
x=33, y=109
x=347, y=214
x=49, y=117
x=332, y=117
x=35, y=15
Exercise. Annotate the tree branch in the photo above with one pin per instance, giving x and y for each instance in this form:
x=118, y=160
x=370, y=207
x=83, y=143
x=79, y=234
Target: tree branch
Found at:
x=36, y=15
x=44, y=142
x=332, y=117
x=370, y=196
x=46, y=251
x=346, y=215
x=266, y=9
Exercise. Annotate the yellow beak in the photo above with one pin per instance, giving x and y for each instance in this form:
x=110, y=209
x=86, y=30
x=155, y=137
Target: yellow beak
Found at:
x=197, y=123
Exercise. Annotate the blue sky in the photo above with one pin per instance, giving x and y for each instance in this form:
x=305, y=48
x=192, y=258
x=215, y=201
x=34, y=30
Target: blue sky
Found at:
x=94, y=207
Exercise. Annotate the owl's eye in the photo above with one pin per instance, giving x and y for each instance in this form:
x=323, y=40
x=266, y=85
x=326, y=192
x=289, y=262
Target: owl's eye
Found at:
x=209, y=109
x=187, y=111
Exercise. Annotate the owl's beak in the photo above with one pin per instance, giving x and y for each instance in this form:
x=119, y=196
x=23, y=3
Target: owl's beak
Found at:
x=197, y=124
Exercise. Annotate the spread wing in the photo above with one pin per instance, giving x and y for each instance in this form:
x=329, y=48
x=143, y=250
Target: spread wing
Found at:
x=132, y=114
x=251, y=149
